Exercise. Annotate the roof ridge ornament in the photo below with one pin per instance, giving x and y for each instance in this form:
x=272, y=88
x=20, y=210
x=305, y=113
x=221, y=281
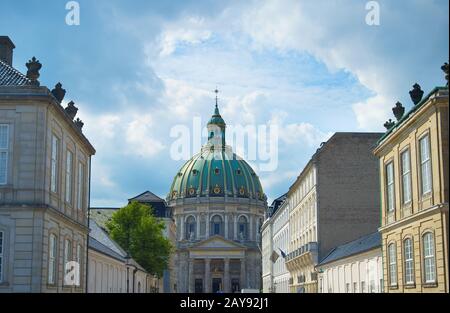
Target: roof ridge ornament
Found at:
x=416, y=94
x=58, y=92
x=398, y=110
x=33, y=67
x=389, y=124
x=446, y=70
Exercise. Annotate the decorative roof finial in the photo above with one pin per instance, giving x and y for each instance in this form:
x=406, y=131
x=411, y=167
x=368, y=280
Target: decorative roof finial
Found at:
x=71, y=110
x=58, y=92
x=416, y=93
x=398, y=110
x=445, y=69
x=389, y=124
x=33, y=67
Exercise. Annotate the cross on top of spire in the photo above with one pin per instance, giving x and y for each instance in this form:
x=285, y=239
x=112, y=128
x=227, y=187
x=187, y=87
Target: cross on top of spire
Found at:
x=216, y=91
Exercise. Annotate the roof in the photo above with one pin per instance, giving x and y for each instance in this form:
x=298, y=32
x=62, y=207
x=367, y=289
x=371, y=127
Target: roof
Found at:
x=276, y=204
x=362, y=244
x=408, y=114
x=147, y=196
x=101, y=215
x=103, y=243
x=9, y=76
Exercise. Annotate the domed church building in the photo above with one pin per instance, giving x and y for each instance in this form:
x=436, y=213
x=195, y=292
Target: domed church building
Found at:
x=218, y=205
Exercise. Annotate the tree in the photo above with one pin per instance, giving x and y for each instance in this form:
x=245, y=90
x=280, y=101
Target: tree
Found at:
x=140, y=234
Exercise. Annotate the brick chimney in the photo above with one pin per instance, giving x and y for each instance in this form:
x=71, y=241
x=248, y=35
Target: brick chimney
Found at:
x=6, y=50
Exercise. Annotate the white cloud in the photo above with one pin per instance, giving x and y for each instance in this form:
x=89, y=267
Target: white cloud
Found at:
x=139, y=137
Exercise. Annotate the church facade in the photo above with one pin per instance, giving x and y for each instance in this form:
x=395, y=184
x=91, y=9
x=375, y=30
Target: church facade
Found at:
x=218, y=205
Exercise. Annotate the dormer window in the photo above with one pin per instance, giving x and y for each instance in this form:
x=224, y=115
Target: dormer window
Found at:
x=216, y=171
x=194, y=172
x=238, y=171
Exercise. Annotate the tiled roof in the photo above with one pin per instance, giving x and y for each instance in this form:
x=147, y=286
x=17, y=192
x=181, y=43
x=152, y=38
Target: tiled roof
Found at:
x=9, y=76
x=147, y=196
x=362, y=244
x=98, y=246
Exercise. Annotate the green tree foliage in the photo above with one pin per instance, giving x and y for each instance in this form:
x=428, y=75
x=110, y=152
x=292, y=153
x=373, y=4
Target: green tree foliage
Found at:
x=140, y=233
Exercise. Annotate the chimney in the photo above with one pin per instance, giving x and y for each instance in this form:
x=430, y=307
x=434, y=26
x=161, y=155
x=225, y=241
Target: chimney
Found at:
x=6, y=50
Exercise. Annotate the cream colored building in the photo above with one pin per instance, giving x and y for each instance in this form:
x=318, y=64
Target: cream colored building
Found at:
x=333, y=200
x=354, y=267
x=44, y=184
x=413, y=161
x=110, y=269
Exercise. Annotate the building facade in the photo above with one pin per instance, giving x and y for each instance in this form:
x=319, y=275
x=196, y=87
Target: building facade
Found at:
x=44, y=184
x=354, y=267
x=413, y=161
x=111, y=270
x=218, y=205
x=334, y=200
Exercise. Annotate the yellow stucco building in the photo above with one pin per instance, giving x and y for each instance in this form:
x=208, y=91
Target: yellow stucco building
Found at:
x=413, y=158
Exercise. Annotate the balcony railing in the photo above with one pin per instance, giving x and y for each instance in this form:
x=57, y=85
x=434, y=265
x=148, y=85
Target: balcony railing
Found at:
x=309, y=247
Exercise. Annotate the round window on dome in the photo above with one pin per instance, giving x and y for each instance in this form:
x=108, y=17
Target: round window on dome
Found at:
x=238, y=171
x=216, y=171
x=194, y=172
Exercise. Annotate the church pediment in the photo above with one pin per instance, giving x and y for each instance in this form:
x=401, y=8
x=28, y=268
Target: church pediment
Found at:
x=217, y=242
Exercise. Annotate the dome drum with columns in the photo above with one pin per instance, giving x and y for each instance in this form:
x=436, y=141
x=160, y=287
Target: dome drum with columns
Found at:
x=218, y=205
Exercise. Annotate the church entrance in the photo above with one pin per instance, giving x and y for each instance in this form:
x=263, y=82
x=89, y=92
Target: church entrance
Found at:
x=216, y=285
x=198, y=285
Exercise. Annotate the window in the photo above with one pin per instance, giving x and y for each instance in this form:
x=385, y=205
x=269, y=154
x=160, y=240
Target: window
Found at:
x=2, y=236
x=80, y=193
x=4, y=147
x=409, y=261
x=406, y=176
x=216, y=225
x=372, y=286
x=52, y=252
x=190, y=227
x=54, y=164
x=79, y=260
x=381, y=286
x=69, y=168
x=429, y=258
x=67, y=255
x=242, y=227
x=425, y=164
x=390, y=186
x=347, y=288
x=363, y=286
x=392, y=264
x=355, y=287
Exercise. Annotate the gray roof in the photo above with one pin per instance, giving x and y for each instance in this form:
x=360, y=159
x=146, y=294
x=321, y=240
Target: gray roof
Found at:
x=147, y=196
x=9, y=76
x=362, y=244
x=102, y=242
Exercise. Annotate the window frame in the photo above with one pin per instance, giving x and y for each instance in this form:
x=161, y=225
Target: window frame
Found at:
x=80, y=185
x=68, y=197
x=68, y=254
x=422, y=162
x=2, y=254
x=6, y=151
x=52, y=259
x=432, y=257
x=406, y=175
x=54, y=163
x=390, y=198
x=392, y=264
x=408, y=260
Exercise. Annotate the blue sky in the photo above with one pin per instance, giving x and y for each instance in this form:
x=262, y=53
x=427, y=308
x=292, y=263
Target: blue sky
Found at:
x=137, y=68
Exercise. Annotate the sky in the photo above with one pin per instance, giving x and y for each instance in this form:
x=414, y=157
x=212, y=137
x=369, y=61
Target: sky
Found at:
x=136, y=69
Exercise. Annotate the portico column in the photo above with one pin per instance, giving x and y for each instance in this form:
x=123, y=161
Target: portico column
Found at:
x=251, y=235
x=226, y=226
x=207, y=275
x=226, y=276
x=191, y=276
x=242, y=279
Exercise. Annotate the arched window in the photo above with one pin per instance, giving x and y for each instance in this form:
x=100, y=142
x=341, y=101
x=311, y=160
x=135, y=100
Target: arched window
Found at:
x=243, y=227
x=216, y=225
x=409, y=261
x=190, y=227
x=429, y=258
x=392, y=264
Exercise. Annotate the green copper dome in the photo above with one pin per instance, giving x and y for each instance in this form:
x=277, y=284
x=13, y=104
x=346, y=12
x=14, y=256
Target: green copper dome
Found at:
x=216, y=174
x=216, y=171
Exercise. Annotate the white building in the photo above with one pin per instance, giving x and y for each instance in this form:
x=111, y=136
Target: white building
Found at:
x=275, y=243
x=354, y=267
x=110, y=270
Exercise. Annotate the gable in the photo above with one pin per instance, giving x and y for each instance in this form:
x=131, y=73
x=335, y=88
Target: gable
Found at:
x=217, y=242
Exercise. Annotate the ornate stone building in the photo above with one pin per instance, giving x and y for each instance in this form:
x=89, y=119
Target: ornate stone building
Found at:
x=413, y=161
x=218, y=205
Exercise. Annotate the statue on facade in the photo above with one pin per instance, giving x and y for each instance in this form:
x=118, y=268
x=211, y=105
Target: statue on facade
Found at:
x=33, y=67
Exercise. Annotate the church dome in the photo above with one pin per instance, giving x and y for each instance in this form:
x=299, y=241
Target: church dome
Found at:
x=216, y=171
